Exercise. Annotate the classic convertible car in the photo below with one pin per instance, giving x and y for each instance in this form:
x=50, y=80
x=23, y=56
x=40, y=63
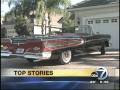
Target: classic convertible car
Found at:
x=60, y=47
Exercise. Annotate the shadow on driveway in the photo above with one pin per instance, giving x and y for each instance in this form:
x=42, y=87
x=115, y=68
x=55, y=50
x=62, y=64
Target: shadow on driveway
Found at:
x=89, y=59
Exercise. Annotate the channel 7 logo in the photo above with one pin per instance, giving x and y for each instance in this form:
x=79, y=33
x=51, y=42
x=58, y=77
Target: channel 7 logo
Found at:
x=100, y=73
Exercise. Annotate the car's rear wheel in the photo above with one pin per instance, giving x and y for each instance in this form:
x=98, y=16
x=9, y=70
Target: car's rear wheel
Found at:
x=102, y=50
x=65, y=57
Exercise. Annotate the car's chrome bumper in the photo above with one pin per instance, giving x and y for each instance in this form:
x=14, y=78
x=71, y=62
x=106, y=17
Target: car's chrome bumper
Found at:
x=10, y=54
x=5, y=53
x=34, y=56
x=38, y=56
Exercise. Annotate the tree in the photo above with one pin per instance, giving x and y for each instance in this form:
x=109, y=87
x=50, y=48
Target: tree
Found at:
x=3, y=32
x=40, y=12
x=54, y=6
x=50, y=7
x=21, y=11
x=68, y=23
x=21, y=26
x=23, y=8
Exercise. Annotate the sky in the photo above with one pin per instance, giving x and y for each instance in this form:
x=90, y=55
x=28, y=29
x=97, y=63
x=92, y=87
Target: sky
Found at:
x=75, y=1
x=5, y=8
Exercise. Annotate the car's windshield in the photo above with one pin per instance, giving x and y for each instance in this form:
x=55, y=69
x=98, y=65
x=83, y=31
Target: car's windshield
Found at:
x=85, y=29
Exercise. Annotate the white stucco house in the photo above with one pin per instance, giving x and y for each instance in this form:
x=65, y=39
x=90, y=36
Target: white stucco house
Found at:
x=101, y=15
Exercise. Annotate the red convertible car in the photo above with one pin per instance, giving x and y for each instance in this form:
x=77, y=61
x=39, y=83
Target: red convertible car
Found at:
x=60, y=47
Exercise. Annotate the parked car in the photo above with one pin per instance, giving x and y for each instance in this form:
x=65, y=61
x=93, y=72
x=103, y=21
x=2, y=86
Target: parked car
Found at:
x=60, y=47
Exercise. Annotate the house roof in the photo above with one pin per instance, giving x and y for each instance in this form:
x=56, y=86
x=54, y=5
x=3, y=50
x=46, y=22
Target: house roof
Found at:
x=89, y=3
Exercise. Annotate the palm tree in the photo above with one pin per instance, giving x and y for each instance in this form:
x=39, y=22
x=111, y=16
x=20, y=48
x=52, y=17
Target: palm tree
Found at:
x=54, y=6
x=40, y=12
x=51, y=7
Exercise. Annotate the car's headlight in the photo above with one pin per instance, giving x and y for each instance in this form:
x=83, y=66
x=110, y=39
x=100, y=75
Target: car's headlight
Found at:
x=4, y=47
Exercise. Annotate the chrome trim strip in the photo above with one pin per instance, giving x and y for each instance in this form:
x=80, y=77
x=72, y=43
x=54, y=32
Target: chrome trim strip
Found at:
x=36, y=56
x=19, y=55
x=32, y=57
x=60, y=38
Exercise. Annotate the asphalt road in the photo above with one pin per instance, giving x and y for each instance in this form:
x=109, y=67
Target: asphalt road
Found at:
x=111, y=59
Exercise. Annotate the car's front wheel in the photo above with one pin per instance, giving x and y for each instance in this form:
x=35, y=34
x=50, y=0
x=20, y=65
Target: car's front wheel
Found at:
x=65, y=57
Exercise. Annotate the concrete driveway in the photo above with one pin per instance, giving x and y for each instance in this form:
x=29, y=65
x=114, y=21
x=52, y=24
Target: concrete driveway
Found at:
x=92, y=60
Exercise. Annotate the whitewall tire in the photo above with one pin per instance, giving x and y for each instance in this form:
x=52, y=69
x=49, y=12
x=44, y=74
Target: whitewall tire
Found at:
x=65, y=57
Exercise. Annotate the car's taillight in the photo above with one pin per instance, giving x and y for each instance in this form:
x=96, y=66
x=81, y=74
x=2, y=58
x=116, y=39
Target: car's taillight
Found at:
x=82, y=41
x=1, y=46
x=4, y=47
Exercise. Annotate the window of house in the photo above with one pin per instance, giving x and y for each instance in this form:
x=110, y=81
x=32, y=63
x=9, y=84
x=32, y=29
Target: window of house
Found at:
x=114, y=20
x=106, y=21
x=90, y=22
x=98, y=21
